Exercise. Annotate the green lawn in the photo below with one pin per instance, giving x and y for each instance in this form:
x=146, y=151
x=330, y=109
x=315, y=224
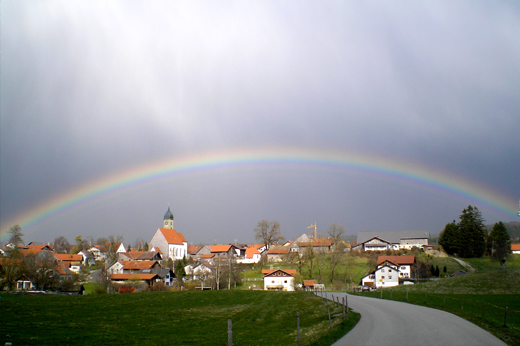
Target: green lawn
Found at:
x=170, y=318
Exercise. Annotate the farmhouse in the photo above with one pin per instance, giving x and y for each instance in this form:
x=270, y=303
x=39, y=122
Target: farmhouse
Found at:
x=390, y=271
x=390, y=240
x=279, y=280
x=515, y=249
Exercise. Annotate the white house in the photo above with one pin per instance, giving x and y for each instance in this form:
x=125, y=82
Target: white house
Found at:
x=280, y=280
x=171, y=243
x=253, y=254
x=515, y=249
x=394, y=240
x=390, y=271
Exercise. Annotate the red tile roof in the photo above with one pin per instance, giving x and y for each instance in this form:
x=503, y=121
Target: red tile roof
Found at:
x=277, y=251
x=207, y=256
x=219, y=248
x=253, y=250
x=515, y=247
x=67, y=257
x=193, y=249
x=309, y=283
x=132, y=276
x=317, y=242
x=400, y=260
x=172, y=236
x=268, y=272
x=138, y=265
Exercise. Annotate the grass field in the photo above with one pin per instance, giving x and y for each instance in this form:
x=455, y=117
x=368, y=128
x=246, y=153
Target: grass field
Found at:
x=170, y=318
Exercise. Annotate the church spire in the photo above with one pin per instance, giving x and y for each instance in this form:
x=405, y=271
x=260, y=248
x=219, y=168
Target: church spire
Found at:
x=168, y=219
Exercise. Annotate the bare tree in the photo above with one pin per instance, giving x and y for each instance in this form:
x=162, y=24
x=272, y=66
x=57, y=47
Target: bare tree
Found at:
x=268, y=232
x=61, y=245
x=310, y=259
x=15, y=235
x=139, y=244
x=320, y=265
x=336, y=232
x=335, y=258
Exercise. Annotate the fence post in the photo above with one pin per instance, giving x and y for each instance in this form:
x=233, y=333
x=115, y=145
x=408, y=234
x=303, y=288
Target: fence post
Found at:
x=330, y=321
x=462, y=304
x=505, y=318
x=444, y=302
x=343, y=301
x=425, y=296
x=381, y=292
x=391, y=295
x=482, y=310
x=407, y=295
x=298, y=326
x=229, y=332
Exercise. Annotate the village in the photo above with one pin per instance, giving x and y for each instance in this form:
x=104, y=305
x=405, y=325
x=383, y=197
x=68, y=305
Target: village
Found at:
x=168, y=261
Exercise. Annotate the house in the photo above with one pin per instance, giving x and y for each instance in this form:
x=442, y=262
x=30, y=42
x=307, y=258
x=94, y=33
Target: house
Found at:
x=218, y=251
x=515, y=249
x=277, y=253
x=390, y=271
x=25, y=284
x=374, y=244
x=149, y=279
x=404, y=264
x=135, y=255
x=394, y=240
x=167, y=275
x=193, y=249
x=116, y=268
x=141, y=267
x=72, y=262
x=252, y=254
x=279, y=280
x=96, y=252
x=308, y=285
x=321, y=245
x=171, y=243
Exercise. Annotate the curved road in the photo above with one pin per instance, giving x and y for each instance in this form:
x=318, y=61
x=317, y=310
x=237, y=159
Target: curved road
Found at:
x=386, y=322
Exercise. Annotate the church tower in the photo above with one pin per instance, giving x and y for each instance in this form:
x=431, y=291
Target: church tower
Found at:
x=168, y=219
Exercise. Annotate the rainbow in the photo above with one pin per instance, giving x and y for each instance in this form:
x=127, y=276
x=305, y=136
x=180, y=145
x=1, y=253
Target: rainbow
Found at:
x=275, y=157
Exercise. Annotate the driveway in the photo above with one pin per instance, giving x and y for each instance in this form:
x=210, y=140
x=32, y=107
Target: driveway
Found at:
x=386, y=322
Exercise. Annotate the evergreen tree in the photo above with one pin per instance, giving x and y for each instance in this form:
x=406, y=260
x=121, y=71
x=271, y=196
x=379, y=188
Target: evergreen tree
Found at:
x=449, y=238
x=472, y=233
x=499, y=241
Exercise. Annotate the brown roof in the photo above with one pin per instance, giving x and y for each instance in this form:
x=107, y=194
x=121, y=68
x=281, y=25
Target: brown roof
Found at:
x=287, y=271
x=67, y=257
x=400, y=260
x=219, y=248
x=138, y=265
x=193, y=249
x=209, y=255
x=172, y=236
x=317, y=242
x=277, y=251
x=132, y=276
x=515, y=247
x=309, y=283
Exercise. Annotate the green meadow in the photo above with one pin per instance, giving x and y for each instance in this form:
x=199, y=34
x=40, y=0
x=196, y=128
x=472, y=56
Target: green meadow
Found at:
x=171, y=318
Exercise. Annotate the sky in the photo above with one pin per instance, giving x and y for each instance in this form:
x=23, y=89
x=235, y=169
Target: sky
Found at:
x=378, y=116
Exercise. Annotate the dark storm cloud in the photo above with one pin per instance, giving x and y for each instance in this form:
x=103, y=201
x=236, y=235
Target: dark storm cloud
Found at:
x=90, y=89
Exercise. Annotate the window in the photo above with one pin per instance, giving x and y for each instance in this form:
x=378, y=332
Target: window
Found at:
x=382, y=270
x=285, y=281
x=389, y=277
x=383, y=277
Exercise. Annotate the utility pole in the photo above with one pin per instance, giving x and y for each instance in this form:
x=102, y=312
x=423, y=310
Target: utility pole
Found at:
x=313, y=226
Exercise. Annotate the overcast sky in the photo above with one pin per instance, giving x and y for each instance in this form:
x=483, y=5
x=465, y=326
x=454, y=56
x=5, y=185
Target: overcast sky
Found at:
x=91, y=89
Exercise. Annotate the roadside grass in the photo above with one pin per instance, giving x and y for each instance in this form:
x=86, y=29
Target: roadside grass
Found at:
x=480, y=298
x=170, y=318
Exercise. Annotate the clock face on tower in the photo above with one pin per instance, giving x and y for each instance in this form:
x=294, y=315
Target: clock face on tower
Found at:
x=166, y=223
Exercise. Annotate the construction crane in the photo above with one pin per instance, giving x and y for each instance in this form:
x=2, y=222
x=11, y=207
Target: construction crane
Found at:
x=313, y=226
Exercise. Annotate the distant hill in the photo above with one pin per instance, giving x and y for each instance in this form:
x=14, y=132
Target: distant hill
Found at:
x=513, y=228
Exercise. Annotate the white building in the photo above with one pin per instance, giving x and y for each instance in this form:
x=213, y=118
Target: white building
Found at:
x=280, y=280
x=171, y=243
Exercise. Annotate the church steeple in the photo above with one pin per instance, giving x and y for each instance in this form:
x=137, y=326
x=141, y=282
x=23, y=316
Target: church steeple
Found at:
x=168, y=219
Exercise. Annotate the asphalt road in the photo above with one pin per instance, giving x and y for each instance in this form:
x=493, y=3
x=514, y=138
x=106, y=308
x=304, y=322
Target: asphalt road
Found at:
x=385, y=322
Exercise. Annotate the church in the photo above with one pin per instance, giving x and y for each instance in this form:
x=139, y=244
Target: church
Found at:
x=171, y=243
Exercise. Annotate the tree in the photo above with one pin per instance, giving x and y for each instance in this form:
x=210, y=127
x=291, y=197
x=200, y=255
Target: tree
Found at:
x=336, y=232
x=61, y=245
x=472, y=233
x=310, y=259
x=499, y=242
x=449, y=238
x=335, y=257
x=468, y=237
x=268, y=232
x=16, y=235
